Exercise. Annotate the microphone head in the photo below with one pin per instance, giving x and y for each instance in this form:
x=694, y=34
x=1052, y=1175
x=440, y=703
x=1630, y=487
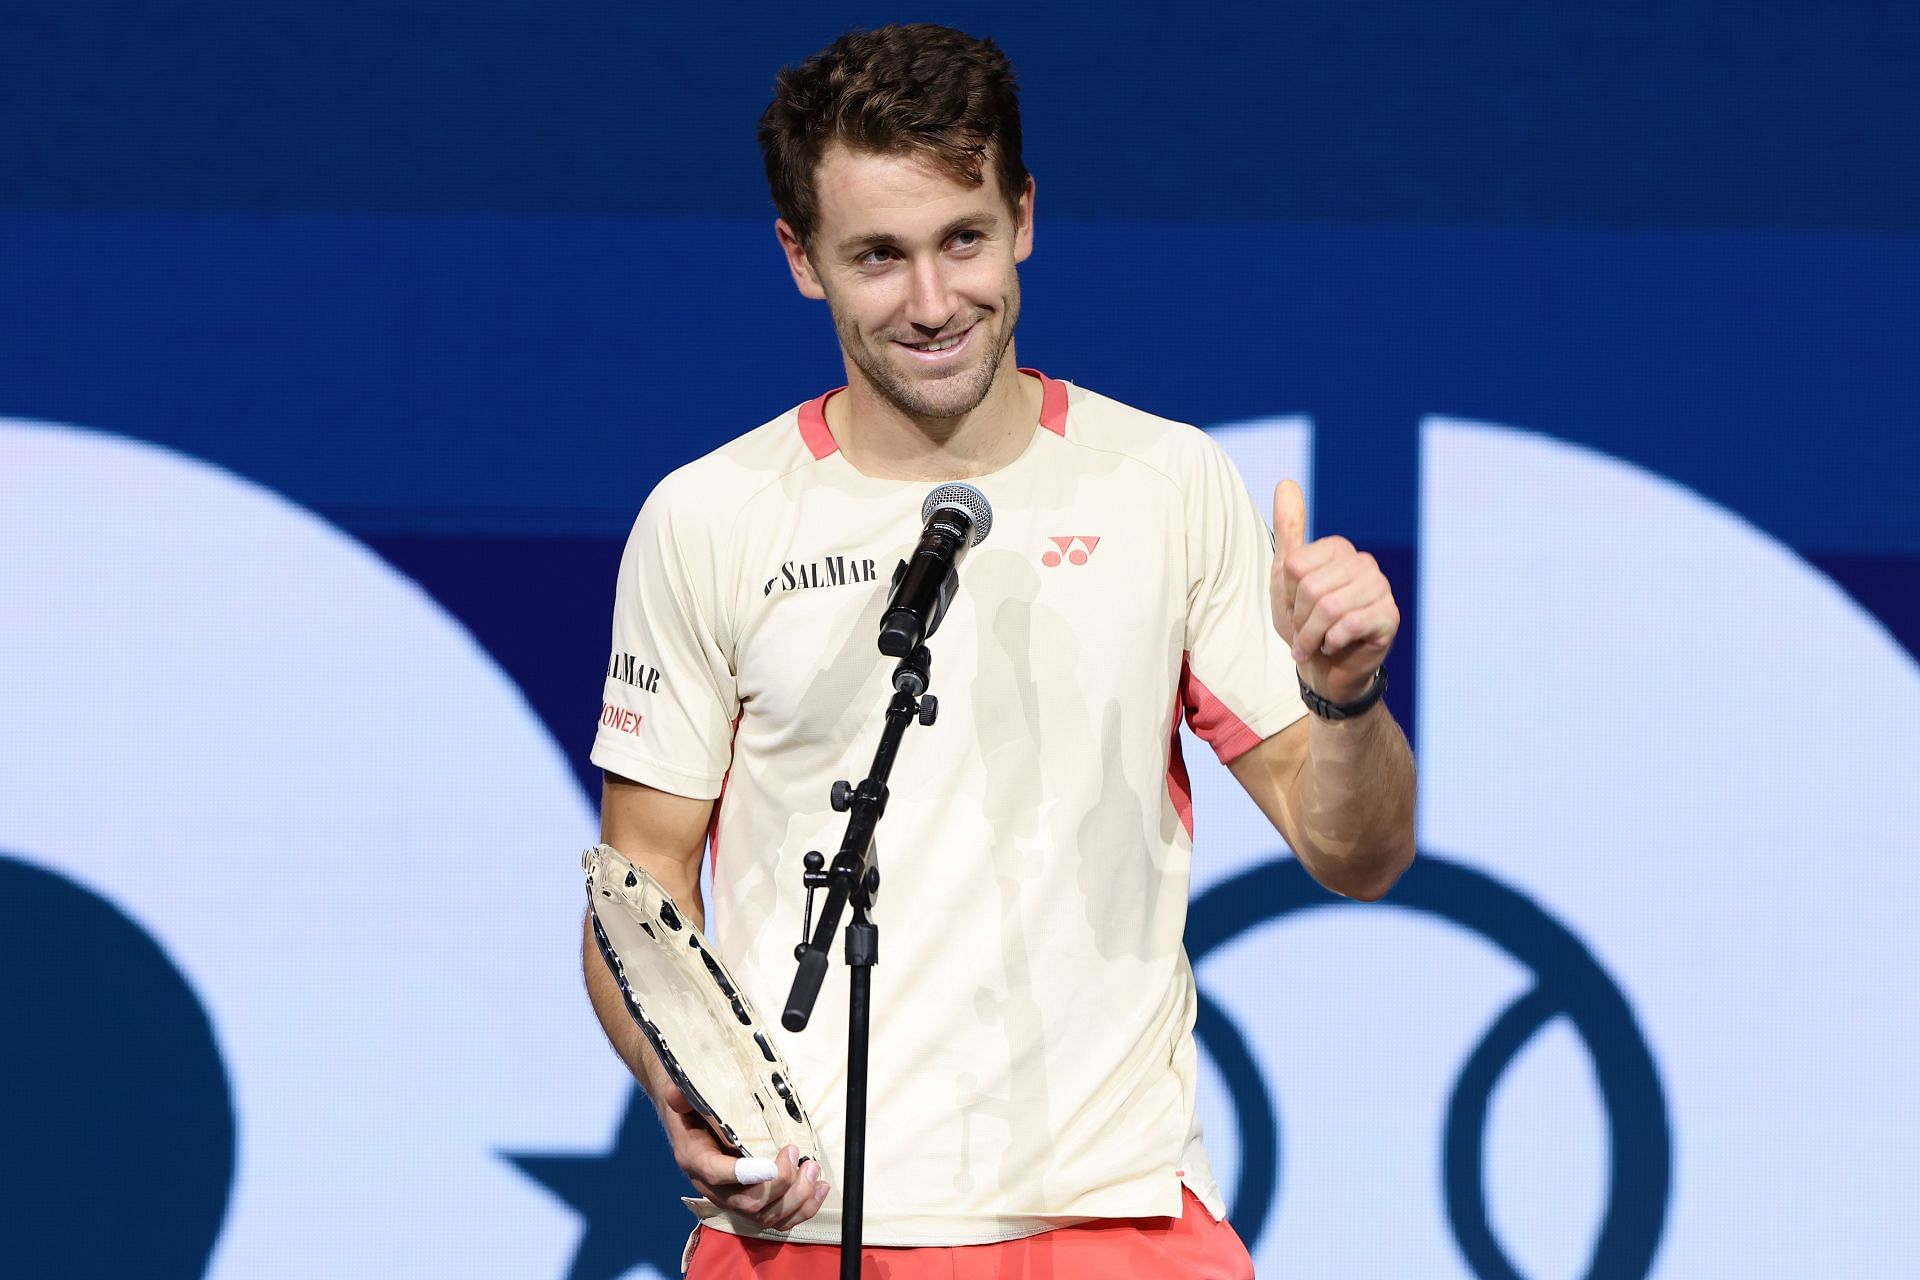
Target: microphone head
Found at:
x=963, y=498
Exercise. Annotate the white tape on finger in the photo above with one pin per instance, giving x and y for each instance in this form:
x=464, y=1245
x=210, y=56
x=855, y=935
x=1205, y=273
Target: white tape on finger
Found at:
x=751, y=1171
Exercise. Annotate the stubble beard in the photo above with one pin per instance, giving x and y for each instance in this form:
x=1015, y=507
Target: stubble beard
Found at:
x=943, y=399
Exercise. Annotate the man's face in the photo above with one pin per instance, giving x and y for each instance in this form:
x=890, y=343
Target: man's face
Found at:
x=918, y=269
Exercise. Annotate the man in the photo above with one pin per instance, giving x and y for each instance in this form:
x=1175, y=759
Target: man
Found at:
x=1033, y=1061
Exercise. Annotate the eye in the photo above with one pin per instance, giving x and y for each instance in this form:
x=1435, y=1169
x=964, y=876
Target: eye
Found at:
x=878, y=256
x=966, y=240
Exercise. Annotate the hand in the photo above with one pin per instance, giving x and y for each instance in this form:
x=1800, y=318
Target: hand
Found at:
x=1330, y=602
x=795, y=1194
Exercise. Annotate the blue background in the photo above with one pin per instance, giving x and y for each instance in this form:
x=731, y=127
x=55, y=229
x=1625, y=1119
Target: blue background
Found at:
x=468, y=278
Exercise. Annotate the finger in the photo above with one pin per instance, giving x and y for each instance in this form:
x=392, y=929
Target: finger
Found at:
x=787, y=1192
x=1331, y=609
x=810, y=1207
x=702, y=1158
x=1289, y=517
x=1302, y=562
x=763, y=1202
x=757, y=1201
x=1332, y=574
x=714, y=1168
x=688, y=1128
x=802, y=1202
x=751, y=1171
x=1281, y=589
x=1293, y=560
x=1374, y=625
x=810, y=1203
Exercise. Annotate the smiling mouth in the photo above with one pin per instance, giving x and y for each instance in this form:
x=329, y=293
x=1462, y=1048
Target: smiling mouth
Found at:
x=939, y=345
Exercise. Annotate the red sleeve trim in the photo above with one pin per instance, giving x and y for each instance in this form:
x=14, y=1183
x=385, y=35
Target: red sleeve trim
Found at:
x=1179, y=786
x=1217, y=726
x=813, y=427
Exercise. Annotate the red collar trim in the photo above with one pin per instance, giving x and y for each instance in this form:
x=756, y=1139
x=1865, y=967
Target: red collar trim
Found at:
x=1053, y=403
x=819, y=440
x=813, y=427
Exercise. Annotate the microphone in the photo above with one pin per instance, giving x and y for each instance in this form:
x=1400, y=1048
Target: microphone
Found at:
x=958, y=518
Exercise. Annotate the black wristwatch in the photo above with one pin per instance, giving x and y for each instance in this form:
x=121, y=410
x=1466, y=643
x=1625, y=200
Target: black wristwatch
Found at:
x=1344, y=710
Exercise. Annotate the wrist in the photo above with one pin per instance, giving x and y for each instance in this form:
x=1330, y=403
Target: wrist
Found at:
x=1350, y=709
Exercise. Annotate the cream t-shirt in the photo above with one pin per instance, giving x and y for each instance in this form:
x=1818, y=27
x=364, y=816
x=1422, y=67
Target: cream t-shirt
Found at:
x=1033, y=1061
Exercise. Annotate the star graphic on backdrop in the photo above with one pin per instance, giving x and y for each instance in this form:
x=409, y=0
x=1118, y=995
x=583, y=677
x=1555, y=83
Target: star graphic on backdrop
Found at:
x=620, y=1196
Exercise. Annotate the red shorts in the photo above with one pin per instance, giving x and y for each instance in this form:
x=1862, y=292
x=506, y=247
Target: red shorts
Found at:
x=1191, y=1247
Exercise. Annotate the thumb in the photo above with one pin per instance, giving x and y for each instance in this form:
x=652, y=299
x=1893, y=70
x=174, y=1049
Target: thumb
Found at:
x=1289, y=517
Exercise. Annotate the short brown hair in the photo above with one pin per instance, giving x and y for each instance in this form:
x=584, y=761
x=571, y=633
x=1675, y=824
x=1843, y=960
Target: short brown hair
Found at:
x=924, y=89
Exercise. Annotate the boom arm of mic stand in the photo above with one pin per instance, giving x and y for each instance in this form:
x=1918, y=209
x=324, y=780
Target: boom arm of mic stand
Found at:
x=851, y=870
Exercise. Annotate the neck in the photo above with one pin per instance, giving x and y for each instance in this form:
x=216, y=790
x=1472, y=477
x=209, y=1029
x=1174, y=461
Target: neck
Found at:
x=882, y=440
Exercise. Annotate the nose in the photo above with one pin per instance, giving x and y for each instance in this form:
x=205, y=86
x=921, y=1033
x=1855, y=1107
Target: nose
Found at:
x=930, y=304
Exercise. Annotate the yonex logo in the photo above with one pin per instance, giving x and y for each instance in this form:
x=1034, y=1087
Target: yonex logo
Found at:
x=1072, y=553
x=621, y=719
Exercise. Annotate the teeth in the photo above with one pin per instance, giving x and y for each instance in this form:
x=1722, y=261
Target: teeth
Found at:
x=937, y=346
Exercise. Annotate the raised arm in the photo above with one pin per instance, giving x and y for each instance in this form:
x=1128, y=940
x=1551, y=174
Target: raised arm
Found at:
x=1340, y=792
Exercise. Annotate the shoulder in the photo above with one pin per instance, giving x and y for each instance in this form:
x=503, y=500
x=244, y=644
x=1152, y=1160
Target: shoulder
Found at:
x=1179, y=451
x=714, y=490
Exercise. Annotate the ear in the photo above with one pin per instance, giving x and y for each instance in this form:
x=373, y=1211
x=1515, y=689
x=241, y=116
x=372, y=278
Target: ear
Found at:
x=804, y=277
x=1023, y=223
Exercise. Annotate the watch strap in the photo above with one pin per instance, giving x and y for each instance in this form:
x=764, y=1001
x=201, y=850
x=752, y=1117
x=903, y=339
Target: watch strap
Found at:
x=1336, y=711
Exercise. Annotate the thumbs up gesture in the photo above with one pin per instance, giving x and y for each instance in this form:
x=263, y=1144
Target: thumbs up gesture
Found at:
x=1330, y=602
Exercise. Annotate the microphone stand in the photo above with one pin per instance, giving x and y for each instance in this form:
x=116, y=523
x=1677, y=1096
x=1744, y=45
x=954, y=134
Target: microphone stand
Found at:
x=853, y=878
